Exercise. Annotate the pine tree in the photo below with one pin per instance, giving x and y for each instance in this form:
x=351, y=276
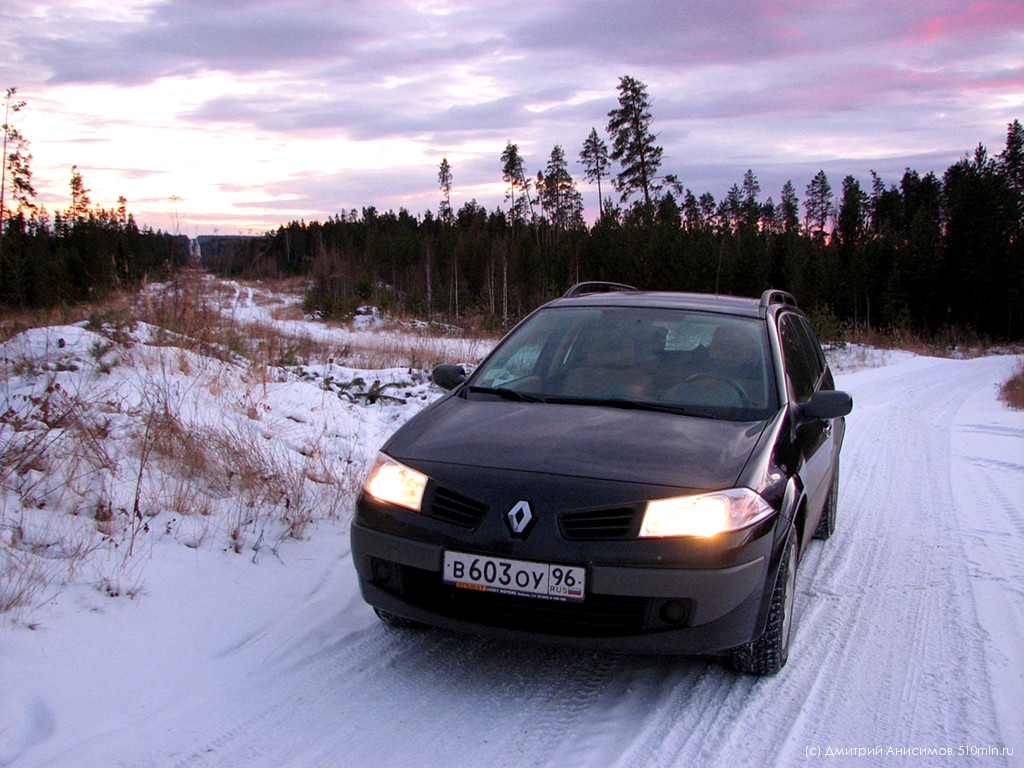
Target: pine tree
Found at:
x=519, y=186
x=729, y=210
x=594, y=157
x=789, y=210
x=1011, y=164
x=14, y=164
x=750, y=208
x=852, y=219
x=875, y=203
x=633, y=145
x=559, y=197
x=819, y=206
x=80, y=202
x=444, y=178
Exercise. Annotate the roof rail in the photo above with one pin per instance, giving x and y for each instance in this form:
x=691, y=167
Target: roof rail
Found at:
x=775, y=296
x=596, y=286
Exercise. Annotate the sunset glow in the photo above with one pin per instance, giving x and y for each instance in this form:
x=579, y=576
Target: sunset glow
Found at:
x=240, y=117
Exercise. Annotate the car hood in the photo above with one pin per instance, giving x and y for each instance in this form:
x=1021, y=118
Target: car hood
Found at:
x=597, y=442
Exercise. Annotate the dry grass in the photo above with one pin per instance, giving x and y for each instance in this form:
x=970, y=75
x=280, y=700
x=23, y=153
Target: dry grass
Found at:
x=86, y=497
x=1011, y=391
x=88, y=476
x=200, y=314
x=14, y=322
x=901, y=340
x=949, y=344
x=23, y=576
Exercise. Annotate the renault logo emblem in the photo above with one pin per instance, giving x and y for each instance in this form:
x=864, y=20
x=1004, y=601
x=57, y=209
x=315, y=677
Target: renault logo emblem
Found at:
x=519, y=518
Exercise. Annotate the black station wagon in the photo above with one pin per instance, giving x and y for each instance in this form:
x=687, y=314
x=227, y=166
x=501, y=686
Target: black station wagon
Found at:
x=627, y=471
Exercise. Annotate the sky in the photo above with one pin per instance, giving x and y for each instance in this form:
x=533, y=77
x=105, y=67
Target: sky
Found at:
x=235, y=117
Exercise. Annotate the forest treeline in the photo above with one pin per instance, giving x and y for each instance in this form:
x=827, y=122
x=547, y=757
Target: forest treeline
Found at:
x=84, y=253
x=72, y=260
x=939, y=257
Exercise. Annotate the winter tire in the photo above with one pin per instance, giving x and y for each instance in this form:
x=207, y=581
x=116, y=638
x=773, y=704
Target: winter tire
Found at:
x=768, y=654
x=827, y=523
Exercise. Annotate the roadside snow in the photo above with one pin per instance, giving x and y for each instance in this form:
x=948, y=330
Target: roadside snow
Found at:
x=252, y=647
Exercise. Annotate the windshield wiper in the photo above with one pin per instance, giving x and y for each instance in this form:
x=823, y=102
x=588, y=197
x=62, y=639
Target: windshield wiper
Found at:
x=610, y=402
x=507, y=394
x=620, y=402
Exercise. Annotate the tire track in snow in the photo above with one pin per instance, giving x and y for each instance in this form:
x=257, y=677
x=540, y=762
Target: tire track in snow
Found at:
x=693, y=708
x=245, y=742
x=900, y=649
x=990, y=491
x=562, y=733
x=430, y=686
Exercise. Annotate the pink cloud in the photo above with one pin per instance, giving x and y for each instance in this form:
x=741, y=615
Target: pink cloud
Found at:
x=977, y=18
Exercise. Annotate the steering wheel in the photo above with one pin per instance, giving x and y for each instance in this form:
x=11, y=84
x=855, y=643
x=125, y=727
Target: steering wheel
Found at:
x=710, y=376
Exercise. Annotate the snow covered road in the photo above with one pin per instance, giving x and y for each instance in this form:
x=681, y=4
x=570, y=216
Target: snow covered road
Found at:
x=908, y=647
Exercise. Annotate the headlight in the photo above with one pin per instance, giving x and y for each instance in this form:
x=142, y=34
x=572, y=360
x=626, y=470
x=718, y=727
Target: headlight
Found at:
x=704, y=515
x=395, y=483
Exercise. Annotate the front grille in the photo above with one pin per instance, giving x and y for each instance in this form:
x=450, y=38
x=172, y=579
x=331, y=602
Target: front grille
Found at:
x=452, y=507
x=591, y=524
x=598, y=615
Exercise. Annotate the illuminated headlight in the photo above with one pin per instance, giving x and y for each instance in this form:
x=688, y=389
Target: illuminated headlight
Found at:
x=704, y=515
x=395, y=483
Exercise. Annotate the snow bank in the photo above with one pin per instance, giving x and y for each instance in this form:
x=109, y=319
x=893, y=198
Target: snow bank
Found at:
x=238, y=637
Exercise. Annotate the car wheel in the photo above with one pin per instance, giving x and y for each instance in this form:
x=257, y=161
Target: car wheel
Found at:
x=394, y=620
x=768, y=654
x=827, y=523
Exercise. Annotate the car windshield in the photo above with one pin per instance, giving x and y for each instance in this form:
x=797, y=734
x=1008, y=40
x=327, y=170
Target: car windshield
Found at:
x=689, y=362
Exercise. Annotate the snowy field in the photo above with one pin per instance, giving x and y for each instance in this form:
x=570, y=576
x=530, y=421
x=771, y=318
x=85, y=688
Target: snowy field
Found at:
x=181, y=555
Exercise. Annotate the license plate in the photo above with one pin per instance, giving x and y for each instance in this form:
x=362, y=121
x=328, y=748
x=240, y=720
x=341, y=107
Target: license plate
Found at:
x=515, y=577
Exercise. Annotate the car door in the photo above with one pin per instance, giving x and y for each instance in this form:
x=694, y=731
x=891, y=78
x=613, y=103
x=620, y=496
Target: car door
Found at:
x=807, y=373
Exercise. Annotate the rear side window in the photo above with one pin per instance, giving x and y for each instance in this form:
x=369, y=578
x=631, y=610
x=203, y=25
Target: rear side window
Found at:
x=817, y=357
x=802, y=365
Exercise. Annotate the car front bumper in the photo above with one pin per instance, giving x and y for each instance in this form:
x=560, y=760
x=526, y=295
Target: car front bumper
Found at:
x=647, y=607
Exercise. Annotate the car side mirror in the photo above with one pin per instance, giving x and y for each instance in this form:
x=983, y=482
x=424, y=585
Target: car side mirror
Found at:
x=826, y=404
x=449, y=376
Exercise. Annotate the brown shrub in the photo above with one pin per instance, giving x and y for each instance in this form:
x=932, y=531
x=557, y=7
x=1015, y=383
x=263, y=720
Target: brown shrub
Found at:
x=1012, y=390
